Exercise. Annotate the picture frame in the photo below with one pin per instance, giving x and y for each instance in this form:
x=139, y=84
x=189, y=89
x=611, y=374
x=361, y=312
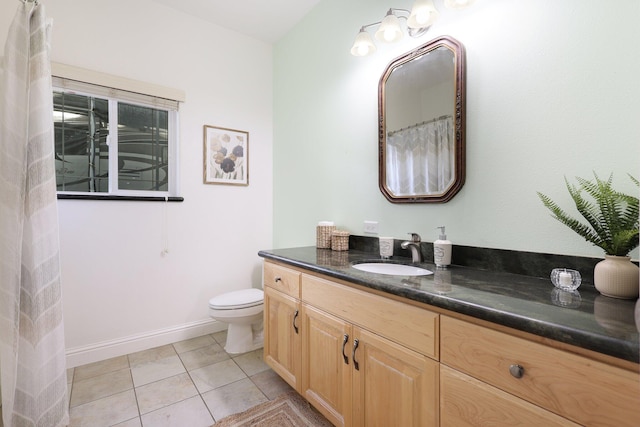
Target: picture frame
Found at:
x=226, y=156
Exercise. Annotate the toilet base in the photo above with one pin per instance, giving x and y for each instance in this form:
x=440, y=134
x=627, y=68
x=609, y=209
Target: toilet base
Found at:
x=244, y=338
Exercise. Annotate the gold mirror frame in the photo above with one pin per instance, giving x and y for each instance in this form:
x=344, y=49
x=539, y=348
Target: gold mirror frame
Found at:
x=458, y=115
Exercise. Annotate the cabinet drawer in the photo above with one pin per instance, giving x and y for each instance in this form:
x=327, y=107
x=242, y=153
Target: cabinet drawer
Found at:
x=586, y=391
x=405, y=324
x=465, y=401
x=283, y=279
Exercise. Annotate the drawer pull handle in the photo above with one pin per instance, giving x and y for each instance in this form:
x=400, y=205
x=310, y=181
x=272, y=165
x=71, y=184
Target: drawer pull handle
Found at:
x=517, y=371
x=295, y=316
x=278, y=279
x=353, y=356
x=344, y=343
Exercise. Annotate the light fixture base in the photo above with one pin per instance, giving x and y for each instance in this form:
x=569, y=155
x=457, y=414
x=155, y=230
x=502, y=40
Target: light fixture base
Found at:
x=417, y=32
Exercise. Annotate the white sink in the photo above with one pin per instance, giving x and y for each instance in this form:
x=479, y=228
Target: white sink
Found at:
x=391, y=269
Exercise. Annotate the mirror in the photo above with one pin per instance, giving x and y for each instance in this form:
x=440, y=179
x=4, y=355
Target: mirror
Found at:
x=421, y=115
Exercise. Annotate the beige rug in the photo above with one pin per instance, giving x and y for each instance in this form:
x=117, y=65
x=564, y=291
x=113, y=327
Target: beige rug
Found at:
x=288, y=410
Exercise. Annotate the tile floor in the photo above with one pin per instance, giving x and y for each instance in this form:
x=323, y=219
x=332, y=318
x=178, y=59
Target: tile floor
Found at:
x=189, y=383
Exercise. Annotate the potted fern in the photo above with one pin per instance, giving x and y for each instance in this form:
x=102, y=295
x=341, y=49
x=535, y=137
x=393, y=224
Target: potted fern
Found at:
x=611, y=224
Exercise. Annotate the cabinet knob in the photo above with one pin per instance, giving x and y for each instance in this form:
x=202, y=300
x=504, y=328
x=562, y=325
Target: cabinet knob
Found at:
x=278, y=279
x=517, y=371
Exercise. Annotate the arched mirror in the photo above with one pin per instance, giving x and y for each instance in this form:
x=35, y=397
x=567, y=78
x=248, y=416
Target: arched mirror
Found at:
x=421, y=113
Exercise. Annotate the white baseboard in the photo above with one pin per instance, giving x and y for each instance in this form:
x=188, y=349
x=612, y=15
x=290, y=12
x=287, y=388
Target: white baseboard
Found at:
x=107, y=349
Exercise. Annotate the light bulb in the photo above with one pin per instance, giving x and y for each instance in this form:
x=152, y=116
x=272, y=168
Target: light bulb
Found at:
x=423, y=17
x=423, y=14
x=363, y=44
x=389, y=30
x=389, y=35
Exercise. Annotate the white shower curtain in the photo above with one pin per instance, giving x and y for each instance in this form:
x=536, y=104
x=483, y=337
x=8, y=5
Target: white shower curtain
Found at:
x=420, y=158
x=32, y=354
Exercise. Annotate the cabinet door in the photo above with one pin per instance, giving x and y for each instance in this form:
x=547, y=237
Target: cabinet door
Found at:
x=467, y=402
x=282, y=344
x=326, y=365
x=393, y=386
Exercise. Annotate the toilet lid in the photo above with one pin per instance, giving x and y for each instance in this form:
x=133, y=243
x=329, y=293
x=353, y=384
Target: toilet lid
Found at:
x=237, y=299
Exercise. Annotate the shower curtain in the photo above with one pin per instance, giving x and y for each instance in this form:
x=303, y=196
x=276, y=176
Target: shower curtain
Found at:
x=32, y=353
x=420, y=158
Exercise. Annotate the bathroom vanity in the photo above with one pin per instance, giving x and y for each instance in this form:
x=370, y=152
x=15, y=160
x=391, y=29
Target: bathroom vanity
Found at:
x=459, y=347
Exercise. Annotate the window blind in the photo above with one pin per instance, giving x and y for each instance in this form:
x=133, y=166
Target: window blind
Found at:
x=75, y=79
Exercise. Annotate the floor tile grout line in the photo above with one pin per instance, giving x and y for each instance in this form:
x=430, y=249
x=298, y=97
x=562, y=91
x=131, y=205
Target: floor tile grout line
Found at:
x=207, y=406
x=166, y=406
x=73, y=375
x=195, y=386
x=99, y=398
x=135, y=392
x=138, y=418
x=232, y=358
x=186, y=371
x=194, y=349
x=73, y=384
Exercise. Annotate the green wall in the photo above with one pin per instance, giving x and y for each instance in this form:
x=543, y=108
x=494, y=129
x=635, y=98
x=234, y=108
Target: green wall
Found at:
x=550, y=93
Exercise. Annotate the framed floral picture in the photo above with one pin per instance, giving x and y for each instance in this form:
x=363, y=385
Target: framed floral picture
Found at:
x=226, y=156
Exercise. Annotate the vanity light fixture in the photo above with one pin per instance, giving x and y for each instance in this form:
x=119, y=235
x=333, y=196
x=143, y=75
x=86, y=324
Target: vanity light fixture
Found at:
x=458, y=4
x=421, y=16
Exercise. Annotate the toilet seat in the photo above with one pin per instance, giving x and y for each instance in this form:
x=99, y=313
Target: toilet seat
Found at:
x=243, y=311
x=235, y=300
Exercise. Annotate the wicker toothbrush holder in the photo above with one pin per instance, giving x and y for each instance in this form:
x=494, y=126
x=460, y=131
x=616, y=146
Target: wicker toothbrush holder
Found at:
x=340, y=240
x=323, y=236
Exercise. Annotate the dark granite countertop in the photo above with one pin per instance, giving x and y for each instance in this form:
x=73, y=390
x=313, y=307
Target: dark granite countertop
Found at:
x=584, y=318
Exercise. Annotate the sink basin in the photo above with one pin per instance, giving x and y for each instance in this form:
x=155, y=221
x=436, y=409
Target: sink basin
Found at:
x=391, y=269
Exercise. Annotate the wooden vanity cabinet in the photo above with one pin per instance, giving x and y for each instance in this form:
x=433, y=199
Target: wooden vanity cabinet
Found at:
x=416, y=367
x=356, y=369
x=282, y=306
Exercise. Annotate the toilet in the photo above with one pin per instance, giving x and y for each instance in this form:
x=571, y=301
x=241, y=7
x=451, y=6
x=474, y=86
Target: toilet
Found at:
x=242, y=311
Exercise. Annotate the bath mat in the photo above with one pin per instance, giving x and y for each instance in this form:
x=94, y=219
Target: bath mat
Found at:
x=287, y=410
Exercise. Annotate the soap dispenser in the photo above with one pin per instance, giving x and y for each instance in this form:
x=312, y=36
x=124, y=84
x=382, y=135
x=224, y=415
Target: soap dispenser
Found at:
x=442, y=250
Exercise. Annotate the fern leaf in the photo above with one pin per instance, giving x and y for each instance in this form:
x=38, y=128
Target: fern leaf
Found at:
x=612, y=216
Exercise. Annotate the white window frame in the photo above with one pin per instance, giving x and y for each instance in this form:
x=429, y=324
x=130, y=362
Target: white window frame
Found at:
x=112, y=142
x=115, y=90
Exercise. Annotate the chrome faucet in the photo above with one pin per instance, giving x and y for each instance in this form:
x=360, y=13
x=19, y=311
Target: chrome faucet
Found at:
x=414, y=246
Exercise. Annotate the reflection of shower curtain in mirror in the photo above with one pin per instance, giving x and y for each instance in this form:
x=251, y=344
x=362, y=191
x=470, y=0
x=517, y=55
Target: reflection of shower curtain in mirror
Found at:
x=420, y=159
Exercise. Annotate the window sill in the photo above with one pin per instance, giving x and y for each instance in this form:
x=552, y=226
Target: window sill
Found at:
x=120, y=198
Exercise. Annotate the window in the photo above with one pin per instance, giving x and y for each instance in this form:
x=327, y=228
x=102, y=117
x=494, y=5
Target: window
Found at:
x=113, y=142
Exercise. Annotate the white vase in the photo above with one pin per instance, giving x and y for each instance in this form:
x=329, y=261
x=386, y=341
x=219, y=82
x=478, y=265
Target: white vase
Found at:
x=616, y=277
